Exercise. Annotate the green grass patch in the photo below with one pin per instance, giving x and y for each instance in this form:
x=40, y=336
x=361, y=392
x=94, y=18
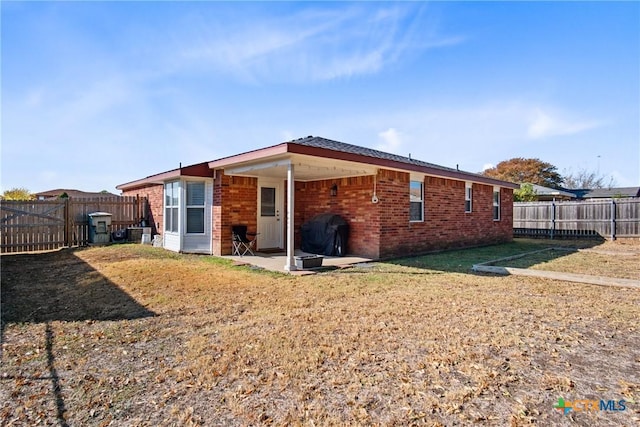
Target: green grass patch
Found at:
x=461, y=261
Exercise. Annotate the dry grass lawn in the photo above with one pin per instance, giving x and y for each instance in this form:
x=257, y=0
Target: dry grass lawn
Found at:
x=134, y=335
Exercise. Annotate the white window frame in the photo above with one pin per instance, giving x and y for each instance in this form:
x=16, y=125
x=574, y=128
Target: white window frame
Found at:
x=172, y=207
x=421, y=201
x=496, y=204
x=191, y=207
x=468, y=197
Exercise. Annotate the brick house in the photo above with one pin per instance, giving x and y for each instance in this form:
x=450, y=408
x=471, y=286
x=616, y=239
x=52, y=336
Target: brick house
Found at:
x=395, y=205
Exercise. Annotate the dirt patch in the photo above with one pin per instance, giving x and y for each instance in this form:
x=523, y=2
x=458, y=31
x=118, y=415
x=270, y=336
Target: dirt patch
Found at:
x=191, y=340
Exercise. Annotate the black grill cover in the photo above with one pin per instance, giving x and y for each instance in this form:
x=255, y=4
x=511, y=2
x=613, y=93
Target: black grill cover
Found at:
x=325, y=234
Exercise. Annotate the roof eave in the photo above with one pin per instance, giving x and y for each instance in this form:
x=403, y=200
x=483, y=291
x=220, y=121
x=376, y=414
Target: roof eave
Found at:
x=249, y=156
x=393, y=164
x=198, y=170
x=293, y=148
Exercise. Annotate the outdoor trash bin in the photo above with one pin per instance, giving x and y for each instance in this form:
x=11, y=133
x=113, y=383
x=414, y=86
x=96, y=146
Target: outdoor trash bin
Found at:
x=99, y=227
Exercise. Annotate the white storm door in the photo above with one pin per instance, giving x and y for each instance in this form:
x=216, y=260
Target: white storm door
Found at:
x=270, y=207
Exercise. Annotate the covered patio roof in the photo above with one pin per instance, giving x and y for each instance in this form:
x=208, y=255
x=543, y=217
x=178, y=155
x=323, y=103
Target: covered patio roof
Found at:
x=317, y=158
x=307, y=168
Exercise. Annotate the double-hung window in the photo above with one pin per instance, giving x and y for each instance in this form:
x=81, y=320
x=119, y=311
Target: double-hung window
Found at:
x=171, y=206
x=496, y=204
x=195, y=207
x=416, y=201
x=468, y=196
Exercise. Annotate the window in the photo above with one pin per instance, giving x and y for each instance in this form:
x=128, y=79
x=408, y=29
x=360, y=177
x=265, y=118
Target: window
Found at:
x=195, y=207
x=267, y=201
x=171, y=198
x=416, y=201
x=496, y=204
x=468, y=195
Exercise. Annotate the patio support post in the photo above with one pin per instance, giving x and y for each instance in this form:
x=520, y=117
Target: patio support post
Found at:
x=291, y=262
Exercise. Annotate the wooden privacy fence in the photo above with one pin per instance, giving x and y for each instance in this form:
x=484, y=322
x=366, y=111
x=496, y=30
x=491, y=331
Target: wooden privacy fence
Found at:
x=38, y=225
x=608, y=218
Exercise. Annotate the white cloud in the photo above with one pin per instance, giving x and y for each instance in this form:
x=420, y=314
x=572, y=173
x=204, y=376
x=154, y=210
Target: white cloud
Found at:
x=474, y=137
x=315, y=44
x=543, y=124
x=390, y=140
x=487, y=166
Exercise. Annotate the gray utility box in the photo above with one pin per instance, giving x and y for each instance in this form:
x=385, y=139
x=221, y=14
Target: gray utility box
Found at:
x=99, y=227
x=139, y=234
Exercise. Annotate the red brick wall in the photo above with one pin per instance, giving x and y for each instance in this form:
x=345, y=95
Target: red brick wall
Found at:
x=353, y=202
x=154, y=194
x=235, y=201
x=383, y=230
x=446, y=225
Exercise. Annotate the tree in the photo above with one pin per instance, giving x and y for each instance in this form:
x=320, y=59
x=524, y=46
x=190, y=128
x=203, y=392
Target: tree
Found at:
x=17, y=194
x=525, y=193
x=521, y=171
x=587, y=179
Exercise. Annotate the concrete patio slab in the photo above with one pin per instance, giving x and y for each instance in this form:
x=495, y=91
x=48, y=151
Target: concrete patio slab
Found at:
x=276, y=261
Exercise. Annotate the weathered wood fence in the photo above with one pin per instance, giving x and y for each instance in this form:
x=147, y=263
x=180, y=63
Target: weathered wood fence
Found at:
x=38, y=225
x=608, y=218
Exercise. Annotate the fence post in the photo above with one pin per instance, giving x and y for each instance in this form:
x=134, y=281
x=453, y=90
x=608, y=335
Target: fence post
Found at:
x=137, y=210
x=67, y=223
x=613, y=219
x=553, y=218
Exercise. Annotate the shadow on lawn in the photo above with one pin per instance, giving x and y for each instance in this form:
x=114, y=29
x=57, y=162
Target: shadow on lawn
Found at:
x=462, y=260
x=60, y=286
x=45, y=287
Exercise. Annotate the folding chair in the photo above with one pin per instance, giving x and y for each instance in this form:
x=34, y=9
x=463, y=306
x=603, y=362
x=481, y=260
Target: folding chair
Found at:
x=241, y=243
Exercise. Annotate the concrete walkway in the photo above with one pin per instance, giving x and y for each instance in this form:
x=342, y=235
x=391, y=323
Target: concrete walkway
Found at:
x=276, y=261
x=490, y=267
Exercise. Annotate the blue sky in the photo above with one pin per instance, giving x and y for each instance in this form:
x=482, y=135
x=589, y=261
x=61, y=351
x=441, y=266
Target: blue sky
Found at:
x=98, y=94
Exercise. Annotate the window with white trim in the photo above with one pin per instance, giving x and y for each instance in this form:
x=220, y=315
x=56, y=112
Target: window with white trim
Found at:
x=195, y=207
x=468, y=196
x=171, y=206
x=416, y=201
x=496, y=204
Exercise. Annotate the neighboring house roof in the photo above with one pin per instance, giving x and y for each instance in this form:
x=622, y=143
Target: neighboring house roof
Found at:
x=606, y=193
x=548, y=192
x=76, y=194
x=304, y=149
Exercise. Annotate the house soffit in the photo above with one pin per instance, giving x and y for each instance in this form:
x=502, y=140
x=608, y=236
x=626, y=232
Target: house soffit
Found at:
x=306, y=168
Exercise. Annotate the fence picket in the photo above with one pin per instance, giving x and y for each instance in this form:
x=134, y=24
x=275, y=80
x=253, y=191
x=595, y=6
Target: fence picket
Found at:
x=37, y=225
x=609, y=218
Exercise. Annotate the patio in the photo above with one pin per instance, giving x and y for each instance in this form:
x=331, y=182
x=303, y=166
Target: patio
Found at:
x=277, y=261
